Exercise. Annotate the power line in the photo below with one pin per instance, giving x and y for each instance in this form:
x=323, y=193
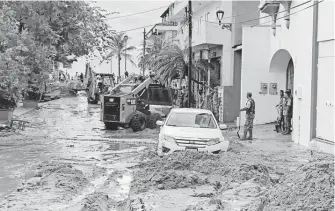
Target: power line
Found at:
x=137, y=28
x=260, y=17
x=138, y=13
x=241, y=22
x=291, y=13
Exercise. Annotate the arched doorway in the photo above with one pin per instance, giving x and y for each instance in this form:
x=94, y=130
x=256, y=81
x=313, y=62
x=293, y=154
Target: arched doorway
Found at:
x=282, y=64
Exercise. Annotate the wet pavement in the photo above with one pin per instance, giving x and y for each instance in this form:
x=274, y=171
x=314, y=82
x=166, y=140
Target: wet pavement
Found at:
x=62, y=130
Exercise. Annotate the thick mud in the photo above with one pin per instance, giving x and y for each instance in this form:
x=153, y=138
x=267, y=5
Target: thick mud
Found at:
x=241, y=179
x=66, y=160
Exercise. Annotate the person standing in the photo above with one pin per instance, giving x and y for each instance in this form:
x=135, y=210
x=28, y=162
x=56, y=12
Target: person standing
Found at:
x=280, y=119
x=249, y=117
x=287, y=112
x=126, y=74
x=81, y=77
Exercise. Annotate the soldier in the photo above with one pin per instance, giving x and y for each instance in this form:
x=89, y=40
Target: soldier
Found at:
x=280, y=119
x=249, y=118
x=287, y=112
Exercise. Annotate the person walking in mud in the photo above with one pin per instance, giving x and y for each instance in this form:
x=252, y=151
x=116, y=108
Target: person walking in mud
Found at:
x=249, y=118
x=287, y=112
x=280, y=119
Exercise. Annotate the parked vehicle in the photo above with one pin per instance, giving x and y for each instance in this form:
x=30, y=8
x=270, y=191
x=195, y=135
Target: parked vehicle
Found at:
x=191, y=129
x=97, y=84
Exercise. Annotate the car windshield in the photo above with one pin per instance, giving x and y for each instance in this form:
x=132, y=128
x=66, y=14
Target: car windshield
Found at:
x=198, y=120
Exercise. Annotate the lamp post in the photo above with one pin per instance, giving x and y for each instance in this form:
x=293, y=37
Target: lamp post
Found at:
x=219, y=16
x=125, y=57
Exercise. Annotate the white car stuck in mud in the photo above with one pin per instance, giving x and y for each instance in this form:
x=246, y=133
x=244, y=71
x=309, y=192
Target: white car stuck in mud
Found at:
x=191, y=129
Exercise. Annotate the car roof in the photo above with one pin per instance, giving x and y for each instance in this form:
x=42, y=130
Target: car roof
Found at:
x=191, y=110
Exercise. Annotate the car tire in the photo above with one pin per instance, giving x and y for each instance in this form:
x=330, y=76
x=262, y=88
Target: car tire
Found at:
x=153, y=118
x=111, y=126
x=138, y=122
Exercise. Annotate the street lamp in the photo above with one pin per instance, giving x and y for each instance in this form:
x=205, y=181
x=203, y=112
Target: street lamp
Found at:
x=125, y=57
x=219, y=15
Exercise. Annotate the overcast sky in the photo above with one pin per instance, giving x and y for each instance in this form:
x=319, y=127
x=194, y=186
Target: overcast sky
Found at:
x=135, y=21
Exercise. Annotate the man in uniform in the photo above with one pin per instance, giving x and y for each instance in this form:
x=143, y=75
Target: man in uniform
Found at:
x=280, y=119
x=287, y=112
x=249, y=117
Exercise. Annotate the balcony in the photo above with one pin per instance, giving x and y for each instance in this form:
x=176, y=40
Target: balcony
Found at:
x=166, y=26
x=271, y=7
x=205, y=33
x=176, y=10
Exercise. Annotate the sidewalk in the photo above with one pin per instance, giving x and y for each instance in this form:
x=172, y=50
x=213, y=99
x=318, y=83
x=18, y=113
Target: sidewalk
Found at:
x=20, y=110
x=267, y=140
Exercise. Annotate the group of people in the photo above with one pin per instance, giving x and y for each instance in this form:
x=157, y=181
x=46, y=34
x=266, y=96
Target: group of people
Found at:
x=285, y=111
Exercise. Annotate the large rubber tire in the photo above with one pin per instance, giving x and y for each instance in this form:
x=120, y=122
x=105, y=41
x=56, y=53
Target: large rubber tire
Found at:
x=153, y=119
x=111, y=125
x=138, y=122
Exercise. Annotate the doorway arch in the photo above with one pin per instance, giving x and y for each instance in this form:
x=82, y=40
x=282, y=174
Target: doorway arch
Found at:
x=282, y=62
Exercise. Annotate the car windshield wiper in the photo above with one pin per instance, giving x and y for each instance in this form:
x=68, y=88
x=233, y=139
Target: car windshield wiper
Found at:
x=173, y=125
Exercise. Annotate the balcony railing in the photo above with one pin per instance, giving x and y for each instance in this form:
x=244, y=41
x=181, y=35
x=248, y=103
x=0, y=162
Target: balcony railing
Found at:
x=207, y=33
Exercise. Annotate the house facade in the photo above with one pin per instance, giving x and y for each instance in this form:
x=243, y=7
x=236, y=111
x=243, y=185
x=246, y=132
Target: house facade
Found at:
x=217, y=44
x=293, y=48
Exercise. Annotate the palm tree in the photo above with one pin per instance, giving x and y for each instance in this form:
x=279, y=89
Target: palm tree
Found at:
x=171, y=62
x=153, y=46
x=117, y=47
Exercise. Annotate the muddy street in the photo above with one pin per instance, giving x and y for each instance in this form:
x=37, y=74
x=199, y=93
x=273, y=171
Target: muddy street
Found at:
x=66, y=160
x=64, y=135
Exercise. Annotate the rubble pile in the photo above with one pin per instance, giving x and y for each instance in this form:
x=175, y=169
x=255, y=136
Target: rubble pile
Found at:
x=167, y=180
x=310, y=187
x=97, y=202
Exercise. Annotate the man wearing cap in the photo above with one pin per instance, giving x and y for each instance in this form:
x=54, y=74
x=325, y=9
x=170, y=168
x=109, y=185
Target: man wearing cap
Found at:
x=287, y=112
x=249, y=117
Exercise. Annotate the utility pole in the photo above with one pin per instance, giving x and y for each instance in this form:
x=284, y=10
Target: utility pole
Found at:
x=189, y=51
x=112, y=65
x=143, y=50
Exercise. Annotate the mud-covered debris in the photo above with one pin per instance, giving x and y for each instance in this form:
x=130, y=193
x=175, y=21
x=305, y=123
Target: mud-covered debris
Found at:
x=310, y=187
x=97, y=202
x=259, y=173
x=208, y=205
x=168, y=180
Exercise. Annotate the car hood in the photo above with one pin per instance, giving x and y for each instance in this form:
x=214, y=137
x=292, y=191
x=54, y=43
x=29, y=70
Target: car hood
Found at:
x=189, y=132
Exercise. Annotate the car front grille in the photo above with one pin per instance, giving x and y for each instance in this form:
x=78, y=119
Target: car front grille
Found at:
x=192, y=143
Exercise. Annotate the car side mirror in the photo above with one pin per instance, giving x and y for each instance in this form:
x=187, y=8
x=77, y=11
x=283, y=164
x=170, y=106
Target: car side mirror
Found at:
x=223, y=127
x=160, y=123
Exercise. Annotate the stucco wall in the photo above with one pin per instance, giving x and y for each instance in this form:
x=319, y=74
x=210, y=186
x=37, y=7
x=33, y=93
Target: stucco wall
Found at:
x=232, y=94
x=297, y=40
x=256, y=59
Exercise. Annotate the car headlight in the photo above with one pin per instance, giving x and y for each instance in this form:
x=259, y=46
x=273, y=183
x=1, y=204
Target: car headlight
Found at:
x=169, y=139
x=213, y=141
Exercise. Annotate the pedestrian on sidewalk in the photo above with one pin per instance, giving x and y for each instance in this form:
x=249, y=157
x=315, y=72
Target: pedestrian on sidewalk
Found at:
x=249, y=117
x=279, y=106
x=287, y=112
x=126, y=74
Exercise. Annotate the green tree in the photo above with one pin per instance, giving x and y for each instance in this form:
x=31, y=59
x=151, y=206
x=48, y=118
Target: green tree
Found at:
x=35, y=34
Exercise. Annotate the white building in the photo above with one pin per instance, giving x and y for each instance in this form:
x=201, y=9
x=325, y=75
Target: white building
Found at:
x=218, y=45
x=294, y=52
